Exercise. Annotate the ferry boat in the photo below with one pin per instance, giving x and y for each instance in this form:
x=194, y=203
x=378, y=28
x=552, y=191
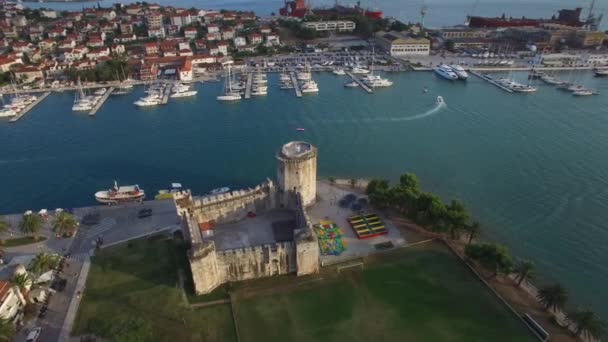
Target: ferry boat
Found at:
x=446, y=72
x=459, y=71
x=120, y=194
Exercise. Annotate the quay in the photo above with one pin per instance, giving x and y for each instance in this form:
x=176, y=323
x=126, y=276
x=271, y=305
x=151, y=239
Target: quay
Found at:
x=296, y=84
x=359, y=82
x=491, y=81
x=248, y=85
x=166, y=93
x=29, y=107
x=101, y=101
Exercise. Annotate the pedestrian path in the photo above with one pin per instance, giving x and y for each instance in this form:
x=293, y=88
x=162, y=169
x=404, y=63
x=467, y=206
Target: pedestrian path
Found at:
x=103, y=226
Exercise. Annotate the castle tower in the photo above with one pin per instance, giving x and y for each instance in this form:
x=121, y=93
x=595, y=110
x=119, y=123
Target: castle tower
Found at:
x=297, y=172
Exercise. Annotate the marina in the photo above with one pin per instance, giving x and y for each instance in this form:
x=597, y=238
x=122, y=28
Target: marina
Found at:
x=166, y=92
x=361, y=84
x=25, y=110
x=101, y=101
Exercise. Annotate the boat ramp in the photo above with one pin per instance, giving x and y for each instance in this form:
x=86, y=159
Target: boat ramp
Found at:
x=29, y=107
x=248, y=85
x=296, y=84
x=489, y=79
x=361, y=84
x=101, y=101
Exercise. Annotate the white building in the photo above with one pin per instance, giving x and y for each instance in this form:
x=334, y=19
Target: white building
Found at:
x=337, y=25
x=398, y=44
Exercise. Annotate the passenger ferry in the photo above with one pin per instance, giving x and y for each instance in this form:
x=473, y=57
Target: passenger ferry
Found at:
x=120, y=194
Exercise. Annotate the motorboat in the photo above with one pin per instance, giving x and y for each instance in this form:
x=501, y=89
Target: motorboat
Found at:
x=551, y=79
x=338, y=72
x=300, y=129
x=218, y=191
x=120, y=194
x=309, y=87
x=184, y=93
x=100, y=91
x=582, y=92
x=359, y=70
x=351, y=84
x=152, y=99
x=446, y=72
x=459, y=71
x=440, y=100
x=600, y=72
x=7, y=112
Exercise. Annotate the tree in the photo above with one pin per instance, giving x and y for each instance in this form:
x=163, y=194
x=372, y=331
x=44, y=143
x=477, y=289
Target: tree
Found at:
x=457, y=218
x=524, y=271
x=491, y=256
x=409, y=181
x=4, y=227
x=43, y=262
x=332, y=180
x=7, y=330
x=378, y=191
x=553, y=296
x=353, y=182
x=21, y=281
x=473, y=230
x=30, y=224
x=64, y=224
x=587, y=323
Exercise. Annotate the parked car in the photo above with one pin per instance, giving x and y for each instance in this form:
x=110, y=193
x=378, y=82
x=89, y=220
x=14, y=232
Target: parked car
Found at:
x=34, y=335
x=144, y=213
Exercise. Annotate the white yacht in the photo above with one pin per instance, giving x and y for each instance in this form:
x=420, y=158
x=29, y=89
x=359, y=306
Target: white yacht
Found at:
x=446, y=72
x=516, y=86
x=153, y=99
x=7, y=112
x=459, y=71
x=440, y=100
x=259, y=91
x=338, y=72
x=100, y=91
x=551, y=79
x=600, y=72
x=181, y=90
x=359, y=70
x=582, y=92
x=229, y=93
x=309, y=87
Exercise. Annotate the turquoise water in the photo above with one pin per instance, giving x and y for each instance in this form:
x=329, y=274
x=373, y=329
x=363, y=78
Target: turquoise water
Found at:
x=440, y=12
x=532, y=168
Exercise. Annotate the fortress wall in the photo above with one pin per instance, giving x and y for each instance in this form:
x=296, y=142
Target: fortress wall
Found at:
x=256, y=262
x=307, y=245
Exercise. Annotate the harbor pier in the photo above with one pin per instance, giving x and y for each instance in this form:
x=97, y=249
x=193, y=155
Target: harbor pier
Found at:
x=101, y=102
x=29, y=107
x=248, y=85
x=483, y=77
x=166, y=93
x=359, y=82
x=296, y=84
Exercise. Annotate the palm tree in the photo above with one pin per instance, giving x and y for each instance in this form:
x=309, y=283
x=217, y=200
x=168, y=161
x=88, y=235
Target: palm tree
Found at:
x=473, y=229
x=64, y=223
x=43, y=262
x=553, y=296
x=31, y=224
x=4, y=226
x=21, y=281
x=587, y=323
x=525, y=271
x=7, y=330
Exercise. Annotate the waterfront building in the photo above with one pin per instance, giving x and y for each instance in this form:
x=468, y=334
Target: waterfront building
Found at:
x=399, y=44
x=588, y=39
x=336, y=25
x=28, y=73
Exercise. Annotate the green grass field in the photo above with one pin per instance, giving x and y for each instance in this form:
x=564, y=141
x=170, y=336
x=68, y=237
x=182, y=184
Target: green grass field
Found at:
x=141, y=281
x=422, y=293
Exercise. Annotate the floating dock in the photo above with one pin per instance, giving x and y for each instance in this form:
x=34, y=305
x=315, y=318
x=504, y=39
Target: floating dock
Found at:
x=29, y=107
x=491, y=81
x=248, y=85
x=296, y=84
x=166, y=93
x=101, y=101
x=359, y=82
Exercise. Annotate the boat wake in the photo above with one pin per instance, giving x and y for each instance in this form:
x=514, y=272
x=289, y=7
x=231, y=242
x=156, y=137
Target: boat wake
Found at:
x=438, y=107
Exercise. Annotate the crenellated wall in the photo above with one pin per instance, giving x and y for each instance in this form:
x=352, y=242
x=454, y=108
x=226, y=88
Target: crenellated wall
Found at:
x=257, y=261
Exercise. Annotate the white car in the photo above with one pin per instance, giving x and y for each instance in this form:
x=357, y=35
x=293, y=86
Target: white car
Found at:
x=34, y=335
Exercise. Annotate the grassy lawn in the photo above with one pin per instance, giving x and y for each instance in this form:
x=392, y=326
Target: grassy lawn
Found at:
x=422, y=293
x=22, y=241
x=140, y=279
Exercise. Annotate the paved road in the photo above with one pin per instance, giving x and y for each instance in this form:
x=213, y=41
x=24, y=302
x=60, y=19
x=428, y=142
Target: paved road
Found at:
x=117, y=223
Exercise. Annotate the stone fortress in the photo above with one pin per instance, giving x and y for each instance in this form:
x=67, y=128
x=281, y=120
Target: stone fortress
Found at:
x=254, y=233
